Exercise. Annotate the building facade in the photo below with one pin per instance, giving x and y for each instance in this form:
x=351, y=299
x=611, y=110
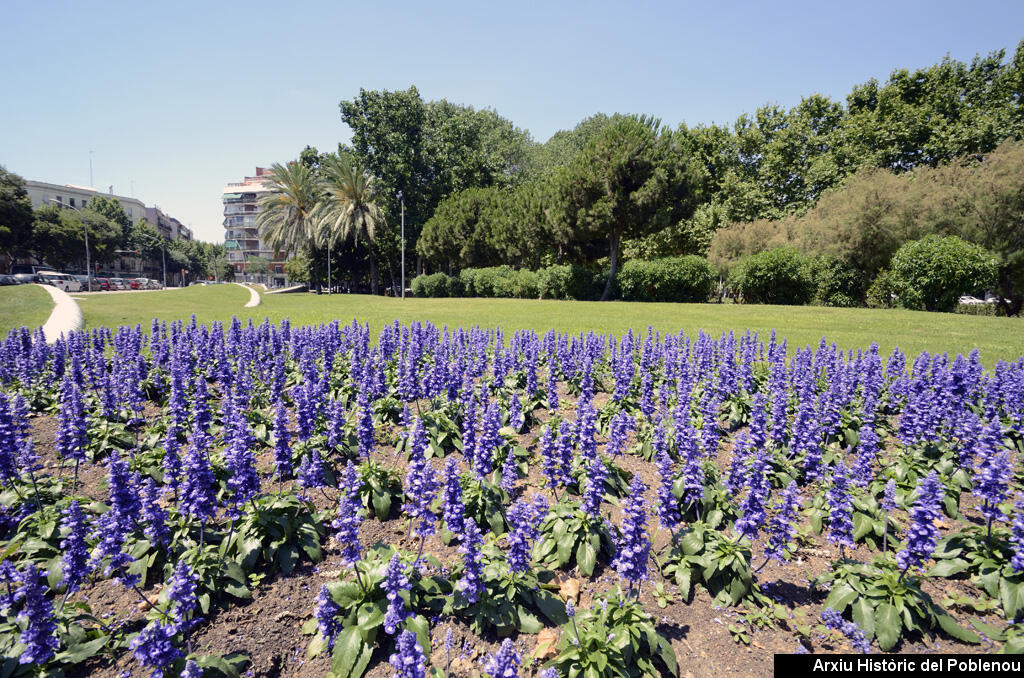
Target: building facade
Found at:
x=241, y=234
x=69, y=195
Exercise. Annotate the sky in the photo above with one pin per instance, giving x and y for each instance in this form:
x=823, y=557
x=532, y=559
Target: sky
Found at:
x=173, y=100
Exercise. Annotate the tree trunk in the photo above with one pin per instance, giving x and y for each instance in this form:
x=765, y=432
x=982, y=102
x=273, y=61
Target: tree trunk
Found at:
x=373, y=272
x=613, y=260
x=1008, y=302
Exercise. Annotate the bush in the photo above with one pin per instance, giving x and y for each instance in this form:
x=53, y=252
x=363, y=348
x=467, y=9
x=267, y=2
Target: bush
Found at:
x=526, y=284
x=487, y=282
x=881, y=294
x=433, y=285
x=836, y=282
x=680, y=279
x=933, y=272
x=565, y=282
x=776, y=276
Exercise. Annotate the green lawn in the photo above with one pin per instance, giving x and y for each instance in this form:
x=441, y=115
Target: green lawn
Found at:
x=912, y=331
x=23, y=305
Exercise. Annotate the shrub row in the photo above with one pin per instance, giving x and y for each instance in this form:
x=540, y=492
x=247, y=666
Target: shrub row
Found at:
x=679, y=279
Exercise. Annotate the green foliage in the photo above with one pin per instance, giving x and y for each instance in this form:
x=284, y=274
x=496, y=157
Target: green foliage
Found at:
x=886, y=603
x=679, y=279
x=985, y=560
x=633, y=178
x=565, y=282
x=277, y=531
x=613, y=637
x=572, y=536
x=933, y=272
x=431, y=285
x=15, y=213
x=379, y=488
x=701, y=554
x=837, y=283
x=777, y=276
x=882, y=292
x=298, y=268
x=58, y=236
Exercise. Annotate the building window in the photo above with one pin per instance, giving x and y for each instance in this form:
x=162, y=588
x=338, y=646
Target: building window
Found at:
x=72, y=202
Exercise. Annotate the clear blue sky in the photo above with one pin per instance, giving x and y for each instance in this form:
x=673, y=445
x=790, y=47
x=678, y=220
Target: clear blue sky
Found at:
x=179, y=98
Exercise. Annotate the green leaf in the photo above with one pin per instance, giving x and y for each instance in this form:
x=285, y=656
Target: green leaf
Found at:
x=82, y=651
x=947, y=568
x=347, y=647
x=950, y=626
x=692, y=542
x=862, y=524
x=586, y=558
x=1011, y=595
x=840, y=597
x=421, y=627
x=287, y=557
x=864, y=615
x=528, y=622
x=887, y=626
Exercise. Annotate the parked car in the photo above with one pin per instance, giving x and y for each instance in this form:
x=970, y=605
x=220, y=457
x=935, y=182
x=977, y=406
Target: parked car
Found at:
x=118, y=284
x=27, y=278
x=136, y=283
x=101, y=284
x=8, y=280
x=62, y=281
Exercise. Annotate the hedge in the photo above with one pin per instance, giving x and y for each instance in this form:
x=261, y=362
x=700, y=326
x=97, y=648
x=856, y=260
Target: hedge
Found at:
x=679, y=279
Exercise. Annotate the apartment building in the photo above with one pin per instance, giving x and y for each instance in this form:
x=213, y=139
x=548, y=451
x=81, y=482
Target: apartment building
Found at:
x=42, y=194
x=241, y=234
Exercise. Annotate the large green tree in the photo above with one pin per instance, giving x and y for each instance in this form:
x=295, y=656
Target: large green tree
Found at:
x=59, y=236
x=15, y=213
x=630, y=180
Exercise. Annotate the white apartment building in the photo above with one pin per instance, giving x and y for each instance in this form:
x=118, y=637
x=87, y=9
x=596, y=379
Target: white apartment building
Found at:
x=42, y=194
x=241, y=235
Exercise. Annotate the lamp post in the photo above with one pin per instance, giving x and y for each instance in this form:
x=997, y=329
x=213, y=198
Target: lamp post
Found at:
x=85, y=229
x=401, y=199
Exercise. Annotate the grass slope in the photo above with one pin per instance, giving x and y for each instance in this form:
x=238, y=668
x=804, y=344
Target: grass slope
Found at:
x=912, y=331
x=28, y=305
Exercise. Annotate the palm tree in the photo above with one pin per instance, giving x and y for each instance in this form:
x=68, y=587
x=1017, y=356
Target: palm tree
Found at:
x=348, y=209
x=286, y=219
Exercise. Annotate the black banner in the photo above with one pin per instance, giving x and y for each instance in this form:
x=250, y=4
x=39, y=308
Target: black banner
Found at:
x=897, y=665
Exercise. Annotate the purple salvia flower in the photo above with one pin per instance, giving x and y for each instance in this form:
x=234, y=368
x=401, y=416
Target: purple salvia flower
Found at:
x=483, y=458
x=782, y=526
x=503, y=664
x=753, y=505
x=327, y=612
x=564, y=451
x=154, y=647
x=992, y=478
x=312, y=472
x=525, y=518
x=172, y=459
x=408, y=660
x=549, y=458
x=509, y=472
x=472, y=580
x=619, y=429
x=1017, y=535
x=394, y=583
x=633, y=546
x=198, y=487
x=75, y=557
x=454, y=509
x=282, y=447
x=922, y=534
x=182, y=595
x=40, y=636
x=593, y=493
x=888, y=502
x=71, y=429
x=349, y=516
x=835, y=621
x=335, y=423
x=668, y=505
x=364, y=430
x=421, y=483
x=840, y=516
x=153, y=515
x=693, y=469
x=515, y=413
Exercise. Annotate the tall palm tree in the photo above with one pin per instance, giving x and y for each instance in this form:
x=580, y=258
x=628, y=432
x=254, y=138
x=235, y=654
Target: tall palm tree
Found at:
x=348, y=209
x=286, y=220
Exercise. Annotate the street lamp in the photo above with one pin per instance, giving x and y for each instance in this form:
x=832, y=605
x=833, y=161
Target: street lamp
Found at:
x=85, y=229
x=401, y=199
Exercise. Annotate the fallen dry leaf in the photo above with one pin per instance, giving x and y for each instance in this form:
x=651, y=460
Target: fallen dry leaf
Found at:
x=569, y=587
x=546, y=641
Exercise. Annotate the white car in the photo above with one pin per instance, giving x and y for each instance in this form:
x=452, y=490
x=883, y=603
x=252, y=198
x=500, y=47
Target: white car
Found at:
x=62, y=281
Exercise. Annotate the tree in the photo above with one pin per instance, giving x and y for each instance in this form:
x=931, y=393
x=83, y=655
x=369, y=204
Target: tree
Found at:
x=348, y=209
x=457, y=234
x=297, y=268
x=630, y=180
x=777, y=276
x=933, y=272
x=112, y=210
x=146, y=240
x=286, y=220
x=15, y=213
x=258, y=266
x=59, y=236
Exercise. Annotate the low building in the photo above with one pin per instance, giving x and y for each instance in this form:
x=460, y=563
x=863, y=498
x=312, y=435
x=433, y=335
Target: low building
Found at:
x=69, y=195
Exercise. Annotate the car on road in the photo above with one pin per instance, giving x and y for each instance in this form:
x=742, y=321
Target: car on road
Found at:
x=118, y=284
x=8, y=280
x=101, y=284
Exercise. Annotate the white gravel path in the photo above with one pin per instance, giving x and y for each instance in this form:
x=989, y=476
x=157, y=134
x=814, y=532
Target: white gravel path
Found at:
x=65, y=318
x=254, y=296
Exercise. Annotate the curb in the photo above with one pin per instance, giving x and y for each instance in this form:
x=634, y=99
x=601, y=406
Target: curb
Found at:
x=65, y=318
x=254, y=296
x=287, y=290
